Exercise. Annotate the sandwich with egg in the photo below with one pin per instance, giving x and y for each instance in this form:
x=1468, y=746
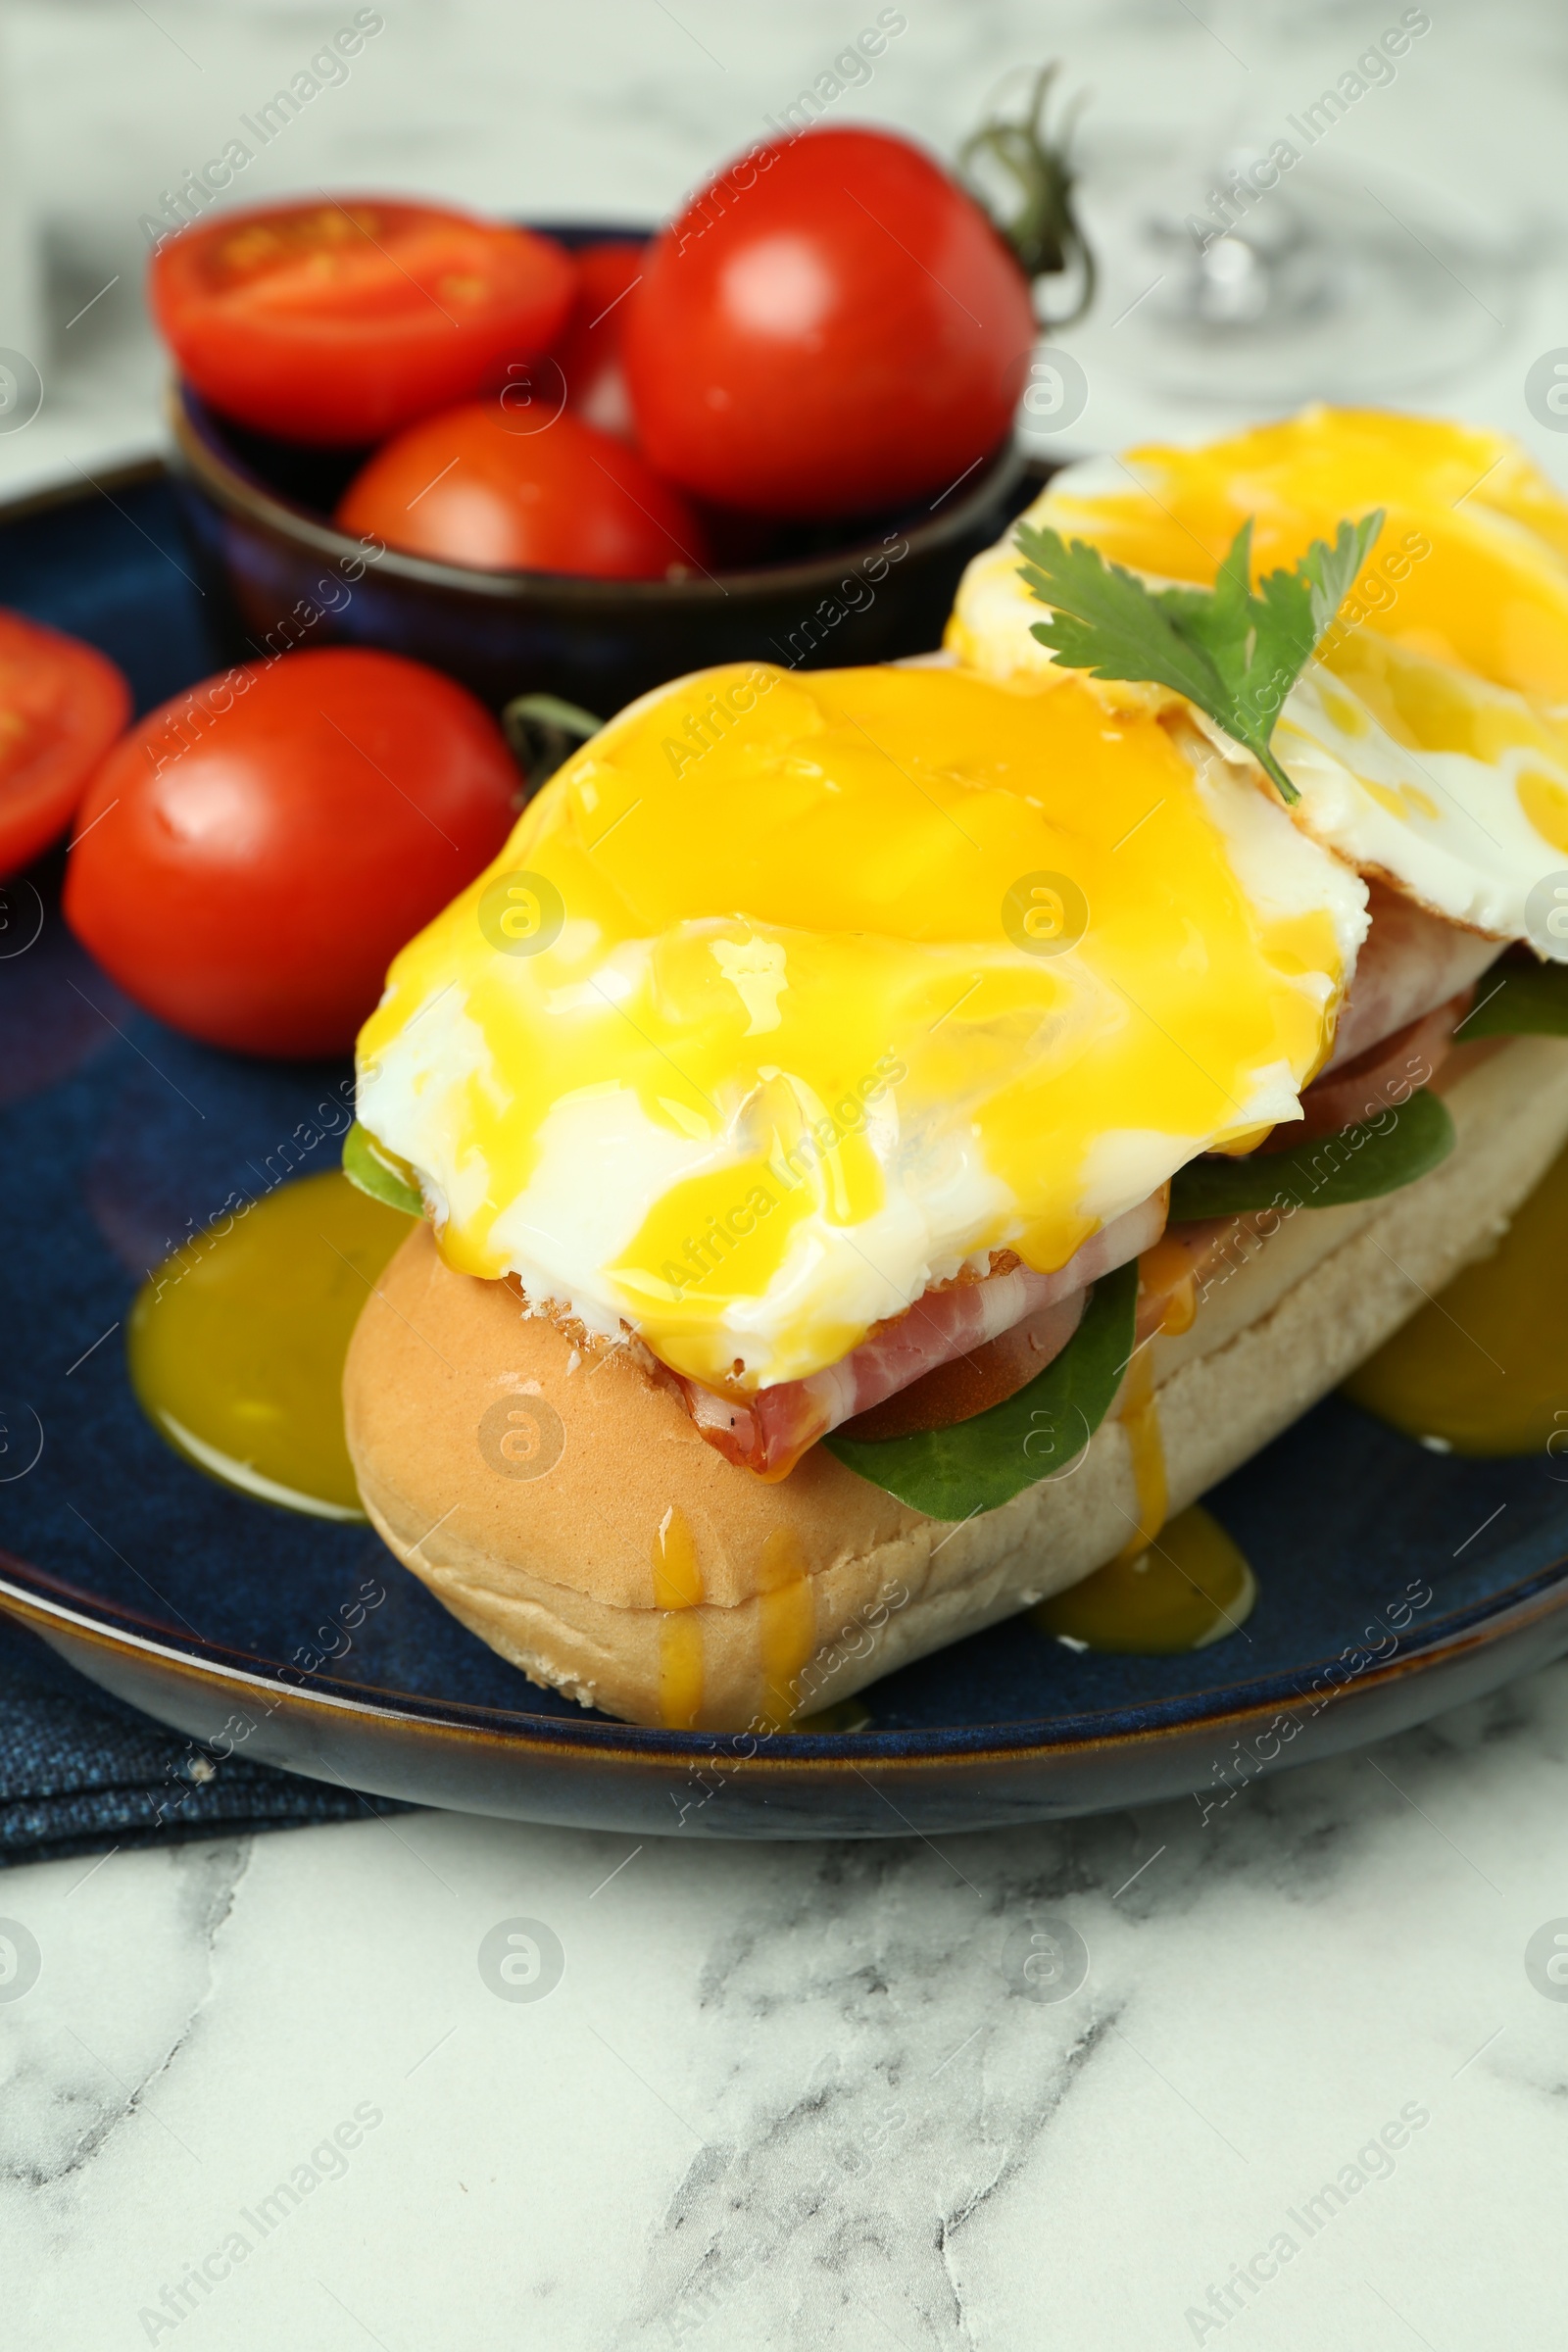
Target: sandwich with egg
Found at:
x=884, y=1139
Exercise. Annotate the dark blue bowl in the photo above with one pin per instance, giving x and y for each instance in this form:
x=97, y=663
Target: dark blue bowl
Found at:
x=259, y=514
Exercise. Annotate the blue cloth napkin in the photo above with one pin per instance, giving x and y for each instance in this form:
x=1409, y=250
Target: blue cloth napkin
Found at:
x=81, y=1771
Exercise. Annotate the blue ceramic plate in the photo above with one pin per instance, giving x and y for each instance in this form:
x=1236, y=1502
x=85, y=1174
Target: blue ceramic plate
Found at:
x=225, y=1617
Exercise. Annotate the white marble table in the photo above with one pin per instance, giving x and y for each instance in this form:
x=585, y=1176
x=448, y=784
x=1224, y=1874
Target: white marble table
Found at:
x=791, y=2096
x=784, y=2096
x=614, y=109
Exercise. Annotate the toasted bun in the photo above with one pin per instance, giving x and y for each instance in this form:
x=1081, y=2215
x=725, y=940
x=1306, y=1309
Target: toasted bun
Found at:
x=563, y=1506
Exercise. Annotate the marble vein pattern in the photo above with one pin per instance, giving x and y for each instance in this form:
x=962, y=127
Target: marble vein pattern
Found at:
x=1115, y=2084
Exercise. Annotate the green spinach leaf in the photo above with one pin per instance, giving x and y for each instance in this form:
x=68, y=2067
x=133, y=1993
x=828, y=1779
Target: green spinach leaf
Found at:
x=1519, y=1000
x=1359, y=1163
x=364, y=1166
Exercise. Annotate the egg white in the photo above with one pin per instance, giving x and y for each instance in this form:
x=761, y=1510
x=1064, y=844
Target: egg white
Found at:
x=600, y=1164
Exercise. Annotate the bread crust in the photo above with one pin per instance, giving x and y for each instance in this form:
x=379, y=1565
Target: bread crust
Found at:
x=563, y=1506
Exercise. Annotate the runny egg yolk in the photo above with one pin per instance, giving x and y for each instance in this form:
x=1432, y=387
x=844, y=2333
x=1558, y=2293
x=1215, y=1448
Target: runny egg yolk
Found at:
x=1479, y=1370
x=1185, y=1587
x=235, y=1345
x=791, y=995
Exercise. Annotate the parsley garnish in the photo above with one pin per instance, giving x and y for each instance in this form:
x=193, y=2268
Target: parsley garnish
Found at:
x=1233, y=651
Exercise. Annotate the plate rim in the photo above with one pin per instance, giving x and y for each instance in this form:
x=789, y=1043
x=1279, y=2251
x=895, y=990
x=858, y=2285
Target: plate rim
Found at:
x=1533, y=1600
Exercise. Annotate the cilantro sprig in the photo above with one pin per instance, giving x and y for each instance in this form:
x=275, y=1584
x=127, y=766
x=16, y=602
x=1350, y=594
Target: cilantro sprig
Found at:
x=1234, y=652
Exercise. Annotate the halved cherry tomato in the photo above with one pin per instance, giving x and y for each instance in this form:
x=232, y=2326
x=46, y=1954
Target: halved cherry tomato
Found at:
x=589, y=353
x=61, y=706
x=254, y=854
x=342, y=322
x=832, y=326
x=495, y=486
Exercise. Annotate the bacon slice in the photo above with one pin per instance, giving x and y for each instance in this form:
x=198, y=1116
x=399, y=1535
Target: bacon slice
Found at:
x=971, y=1384
x=1381, y=1078
x=768, y=1430
x=1410, y=961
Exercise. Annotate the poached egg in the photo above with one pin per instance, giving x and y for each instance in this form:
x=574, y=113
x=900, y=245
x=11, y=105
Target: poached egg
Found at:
x=792, y=995
x=1429, y=737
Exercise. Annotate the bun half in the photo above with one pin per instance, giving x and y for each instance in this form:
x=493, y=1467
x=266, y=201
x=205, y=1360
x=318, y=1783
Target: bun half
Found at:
x=562, y=1505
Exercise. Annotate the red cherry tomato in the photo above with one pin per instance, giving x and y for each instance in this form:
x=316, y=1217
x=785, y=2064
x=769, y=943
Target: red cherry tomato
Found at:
x=834, y=326
x=341, y=323
x=495, y=486
x=61, y=706
x=589, y=353
x=253, y=855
